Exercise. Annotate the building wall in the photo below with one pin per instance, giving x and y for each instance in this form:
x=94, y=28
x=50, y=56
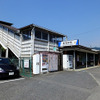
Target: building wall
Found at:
x=41, y=40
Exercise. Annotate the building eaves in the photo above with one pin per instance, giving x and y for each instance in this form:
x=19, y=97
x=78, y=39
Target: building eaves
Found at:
x=6, y=23
x=10, y=27
x=41, y=28
x=78, y=47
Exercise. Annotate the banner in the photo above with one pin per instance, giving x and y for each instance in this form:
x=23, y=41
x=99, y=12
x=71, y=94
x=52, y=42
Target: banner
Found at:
x=68, y=43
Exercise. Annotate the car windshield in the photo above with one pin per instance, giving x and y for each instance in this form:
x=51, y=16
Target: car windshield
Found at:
x=5, y=61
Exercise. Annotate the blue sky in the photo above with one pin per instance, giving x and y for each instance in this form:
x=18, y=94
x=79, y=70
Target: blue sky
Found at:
x=78, y=19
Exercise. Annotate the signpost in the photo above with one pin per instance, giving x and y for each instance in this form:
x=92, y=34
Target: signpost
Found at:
x=26, y=63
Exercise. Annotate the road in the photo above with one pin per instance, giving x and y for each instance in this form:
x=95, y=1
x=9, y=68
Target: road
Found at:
x=64, y=85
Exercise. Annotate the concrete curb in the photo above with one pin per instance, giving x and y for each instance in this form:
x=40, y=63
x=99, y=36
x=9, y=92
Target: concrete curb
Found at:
x=87, y=68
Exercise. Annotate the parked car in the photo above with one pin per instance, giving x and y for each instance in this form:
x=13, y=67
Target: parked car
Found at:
x=7, y=68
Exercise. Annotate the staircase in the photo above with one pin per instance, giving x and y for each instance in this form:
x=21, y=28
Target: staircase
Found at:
x=16, y=45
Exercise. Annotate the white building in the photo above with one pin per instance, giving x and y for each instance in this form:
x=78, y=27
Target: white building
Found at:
x=27, y=41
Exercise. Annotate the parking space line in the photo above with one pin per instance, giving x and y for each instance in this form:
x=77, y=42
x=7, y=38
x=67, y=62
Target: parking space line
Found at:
x=94, y=78
x=11, y=80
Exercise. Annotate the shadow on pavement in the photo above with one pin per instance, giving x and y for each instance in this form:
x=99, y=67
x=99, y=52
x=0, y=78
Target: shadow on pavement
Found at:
x=10, y=78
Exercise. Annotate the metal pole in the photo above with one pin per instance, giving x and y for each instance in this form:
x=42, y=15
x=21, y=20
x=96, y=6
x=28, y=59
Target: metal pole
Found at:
x=86, y=59
x=74, y=60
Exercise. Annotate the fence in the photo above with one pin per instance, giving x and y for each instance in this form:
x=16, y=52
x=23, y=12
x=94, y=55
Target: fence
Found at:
x=24, y=65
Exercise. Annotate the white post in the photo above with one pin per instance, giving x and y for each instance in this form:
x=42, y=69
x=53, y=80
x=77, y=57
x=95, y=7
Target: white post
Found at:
x=74, y=60
x=21, y=38
x=32, y=41
x=7, y=53
x=86, y=59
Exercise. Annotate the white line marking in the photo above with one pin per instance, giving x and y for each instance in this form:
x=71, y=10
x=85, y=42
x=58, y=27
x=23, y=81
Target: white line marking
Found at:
x=95, y=78
x=11, y=80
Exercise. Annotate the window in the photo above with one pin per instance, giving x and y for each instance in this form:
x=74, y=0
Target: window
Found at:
x=45, y=36
x=0, y=26
x=51, y=38
x=38, y=34
x=27, y=35
x=10, y=32
x=59, y=39
x=5, y=29
x=17, y=36
x=5, y=61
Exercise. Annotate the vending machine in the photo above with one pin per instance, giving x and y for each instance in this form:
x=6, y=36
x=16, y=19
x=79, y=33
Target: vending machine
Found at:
x=67, y=61
x=40, y=63
x=44, y=63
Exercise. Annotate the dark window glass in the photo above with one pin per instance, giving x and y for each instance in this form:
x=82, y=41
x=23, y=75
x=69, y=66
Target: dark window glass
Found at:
x=4, y=61
x=44, y=36
x=0, y=26
x=27, y=35
x=10, y=32
x=38, y=34
x=17, y=36
x=5, y=29
x=52, y=38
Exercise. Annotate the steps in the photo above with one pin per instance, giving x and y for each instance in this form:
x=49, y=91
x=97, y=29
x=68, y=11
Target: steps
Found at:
x=20, y=49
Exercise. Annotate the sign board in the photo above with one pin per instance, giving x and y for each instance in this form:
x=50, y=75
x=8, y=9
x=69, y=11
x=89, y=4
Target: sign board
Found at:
x=68, y=43
x=26, y=63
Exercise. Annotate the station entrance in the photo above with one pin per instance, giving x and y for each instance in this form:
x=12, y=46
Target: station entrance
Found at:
x=77, y=57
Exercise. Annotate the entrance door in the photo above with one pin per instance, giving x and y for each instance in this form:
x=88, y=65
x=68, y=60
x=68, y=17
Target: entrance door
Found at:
x=36, y=65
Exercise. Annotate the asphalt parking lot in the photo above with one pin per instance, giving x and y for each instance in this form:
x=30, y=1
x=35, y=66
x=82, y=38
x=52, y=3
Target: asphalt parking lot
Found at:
x=65, y=85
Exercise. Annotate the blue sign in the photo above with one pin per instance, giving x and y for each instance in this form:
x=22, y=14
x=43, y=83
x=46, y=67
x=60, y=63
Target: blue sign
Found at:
x=68, y=43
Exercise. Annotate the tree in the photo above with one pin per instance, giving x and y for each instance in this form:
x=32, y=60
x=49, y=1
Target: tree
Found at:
x=2, y=50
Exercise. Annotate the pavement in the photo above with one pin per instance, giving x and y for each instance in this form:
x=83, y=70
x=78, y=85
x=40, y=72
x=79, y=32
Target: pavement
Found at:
x=95, y=73
x=64, y=85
